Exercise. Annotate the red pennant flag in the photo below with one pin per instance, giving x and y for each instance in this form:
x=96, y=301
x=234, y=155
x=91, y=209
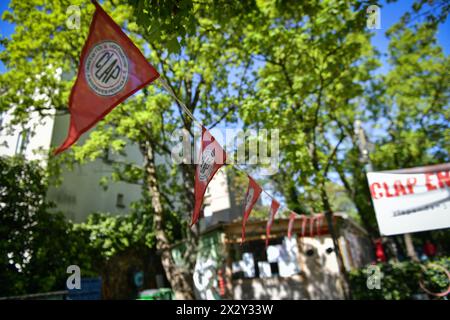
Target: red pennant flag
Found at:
x=291, y=223
x=273, y=211
x=316, y=221
x=319, y=223
x=211, y=158
x=111, y=69
x=311, y=226
x=252, y=195
x=304, y=222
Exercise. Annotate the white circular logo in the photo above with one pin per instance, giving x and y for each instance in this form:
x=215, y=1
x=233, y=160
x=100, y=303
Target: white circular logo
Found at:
x=106, y=68
x=207, y=163
x=248, y=200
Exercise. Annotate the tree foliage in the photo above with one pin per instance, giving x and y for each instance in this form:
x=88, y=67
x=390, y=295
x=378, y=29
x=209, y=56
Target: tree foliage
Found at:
x=307, y=69
x=400, y=281
x=413, y=107
x=37, y=244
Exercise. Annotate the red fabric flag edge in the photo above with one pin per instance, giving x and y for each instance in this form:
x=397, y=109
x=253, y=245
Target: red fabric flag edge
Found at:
x=197, y=206
x=292, y=217
x=74, y=134
x=255, y=198
x=273, y=211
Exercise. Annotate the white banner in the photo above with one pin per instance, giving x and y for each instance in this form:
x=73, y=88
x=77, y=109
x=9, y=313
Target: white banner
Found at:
x=411, y=200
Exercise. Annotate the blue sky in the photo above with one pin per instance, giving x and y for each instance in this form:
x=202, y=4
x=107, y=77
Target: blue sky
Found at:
x=390, y=13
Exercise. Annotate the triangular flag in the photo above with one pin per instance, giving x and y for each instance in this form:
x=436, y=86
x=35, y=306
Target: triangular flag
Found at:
x=311, y=226
x=273, y=211
x=316, y=221
x=319, y=224
x=211, y=158
x=252, y=195
x=292, y=217
x=111, y=69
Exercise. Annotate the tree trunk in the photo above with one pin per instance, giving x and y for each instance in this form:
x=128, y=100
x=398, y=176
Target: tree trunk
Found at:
x=329, y=217
x=192, y=233
x=180, y=280
x=410, y=247
x=359, y=192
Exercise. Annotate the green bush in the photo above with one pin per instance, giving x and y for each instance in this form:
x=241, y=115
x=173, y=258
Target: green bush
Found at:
x=400, y=280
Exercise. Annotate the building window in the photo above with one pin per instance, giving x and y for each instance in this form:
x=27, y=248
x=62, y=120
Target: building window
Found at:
x=119, y=201
x=22, y=141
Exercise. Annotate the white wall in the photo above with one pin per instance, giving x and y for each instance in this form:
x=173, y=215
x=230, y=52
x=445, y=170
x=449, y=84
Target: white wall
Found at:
x=81, y=193
x=319, y=278
x=217, y=195
x=321, y=269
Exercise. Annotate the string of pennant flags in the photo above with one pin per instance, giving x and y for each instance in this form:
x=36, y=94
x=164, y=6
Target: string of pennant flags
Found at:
x=112, y=69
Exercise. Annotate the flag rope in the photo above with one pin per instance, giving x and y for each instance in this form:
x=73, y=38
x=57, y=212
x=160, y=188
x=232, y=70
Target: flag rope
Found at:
x=182, y=105
x=166, y=86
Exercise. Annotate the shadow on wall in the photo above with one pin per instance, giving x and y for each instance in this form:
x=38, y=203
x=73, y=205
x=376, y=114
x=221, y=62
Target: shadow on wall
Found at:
x=322, y=270
x=292, y=288
x=276, y=288
x=319, y=278
x=130, y=271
